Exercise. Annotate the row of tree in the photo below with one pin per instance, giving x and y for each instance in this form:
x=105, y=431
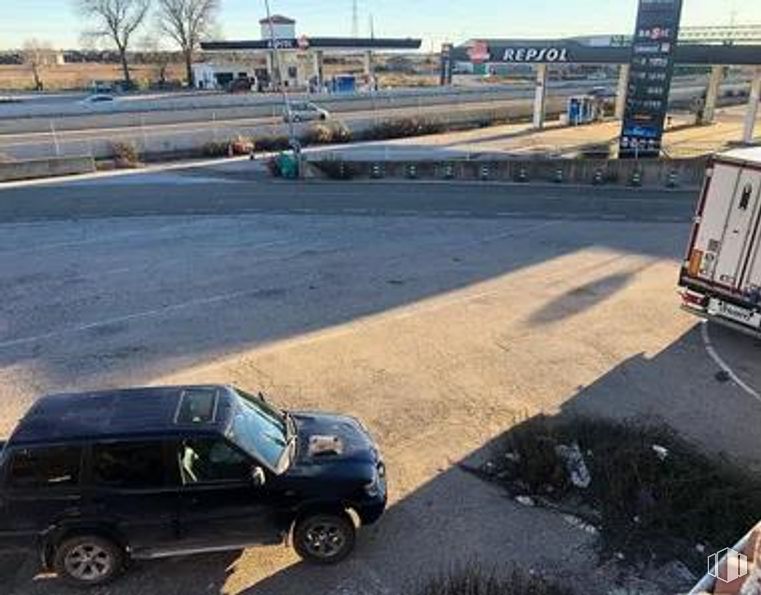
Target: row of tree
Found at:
x=185, y=22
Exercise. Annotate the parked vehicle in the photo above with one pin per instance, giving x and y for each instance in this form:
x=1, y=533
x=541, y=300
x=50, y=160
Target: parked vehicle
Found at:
x=721, y=275
x=602, y=92
x=304, y=112
x=101, y=87
x=93, y=480
x=242, y=84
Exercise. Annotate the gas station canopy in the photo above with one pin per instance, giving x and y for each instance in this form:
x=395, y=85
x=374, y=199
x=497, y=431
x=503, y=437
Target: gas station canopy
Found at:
x=569, y=51
x=316, y=43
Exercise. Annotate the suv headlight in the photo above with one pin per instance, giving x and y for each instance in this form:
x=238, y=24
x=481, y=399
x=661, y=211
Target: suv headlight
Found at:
x=373, y=488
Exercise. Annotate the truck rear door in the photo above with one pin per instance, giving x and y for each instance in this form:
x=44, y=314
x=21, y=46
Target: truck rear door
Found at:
x=725, y=252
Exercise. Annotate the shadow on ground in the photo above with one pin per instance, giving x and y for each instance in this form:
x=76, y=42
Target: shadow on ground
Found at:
x=134, y=304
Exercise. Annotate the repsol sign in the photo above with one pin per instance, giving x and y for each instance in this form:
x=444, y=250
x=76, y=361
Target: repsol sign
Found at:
x=542, y=55
x=284, y=44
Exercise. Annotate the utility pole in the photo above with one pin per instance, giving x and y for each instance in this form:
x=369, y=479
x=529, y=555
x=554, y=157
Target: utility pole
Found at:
x=372, y=27
x=293, y=141
x=354, y=19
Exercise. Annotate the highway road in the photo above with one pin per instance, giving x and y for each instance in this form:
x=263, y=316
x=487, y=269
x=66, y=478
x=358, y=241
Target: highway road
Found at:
x=438, y=314
x=170, y=126
x=184, y=136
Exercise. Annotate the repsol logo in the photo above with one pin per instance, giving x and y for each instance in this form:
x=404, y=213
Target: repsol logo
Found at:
x=536, y=55
x=282, y=44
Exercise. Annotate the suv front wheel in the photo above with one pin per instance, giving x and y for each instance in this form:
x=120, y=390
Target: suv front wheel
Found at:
x=324, y=538
x=88, y=560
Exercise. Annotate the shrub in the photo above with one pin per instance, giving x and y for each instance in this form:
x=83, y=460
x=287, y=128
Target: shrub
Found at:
x=215, y=149
x=326, y=133
x=271, y=143
x=472, y=580
x=273, y=167
x=652, y=494
x=125, y=154
x=403, y=127
x=240, y=145
x=337, y=170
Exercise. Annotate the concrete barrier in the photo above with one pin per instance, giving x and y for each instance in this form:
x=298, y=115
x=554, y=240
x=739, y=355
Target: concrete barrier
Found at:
x=684, y=173
x=45, y=168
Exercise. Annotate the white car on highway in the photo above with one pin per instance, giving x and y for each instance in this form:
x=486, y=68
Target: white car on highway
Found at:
x=98, y=98
x=304, y=112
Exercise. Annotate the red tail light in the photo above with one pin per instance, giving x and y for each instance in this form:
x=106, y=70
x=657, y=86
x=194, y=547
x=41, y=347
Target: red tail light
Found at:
x=695, y=300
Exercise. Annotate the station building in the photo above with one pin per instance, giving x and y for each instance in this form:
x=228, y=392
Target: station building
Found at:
x=299, y=59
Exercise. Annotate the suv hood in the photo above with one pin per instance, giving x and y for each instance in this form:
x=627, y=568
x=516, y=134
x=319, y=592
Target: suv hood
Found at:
x=326, y=438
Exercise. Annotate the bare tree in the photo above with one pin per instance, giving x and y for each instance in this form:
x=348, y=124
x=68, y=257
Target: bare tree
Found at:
x=187, y=22
x=156, y=56
x=116, y=20
x=37, y=54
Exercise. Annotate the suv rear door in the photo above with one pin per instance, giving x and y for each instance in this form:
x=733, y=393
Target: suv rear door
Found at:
x=40, y=488
x=221, y=506
x=134, y=490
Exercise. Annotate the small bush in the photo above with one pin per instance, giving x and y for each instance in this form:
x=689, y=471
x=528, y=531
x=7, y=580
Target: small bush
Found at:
x=273, y=167
x=125, y=154
x=472, y=580
x=215, y=149
x=402, y=128
x=326, y=133
x=652, y=494
x=271, y=143
x=240, y=145
x=337, y=170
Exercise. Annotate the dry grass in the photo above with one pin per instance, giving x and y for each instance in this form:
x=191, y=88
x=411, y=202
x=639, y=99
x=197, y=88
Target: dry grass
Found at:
x=473, y=580
x=125, y=154
x=395, y=79
x=653, y=496
x=79, y=76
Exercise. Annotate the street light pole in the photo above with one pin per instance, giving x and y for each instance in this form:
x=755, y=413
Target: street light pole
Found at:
x=293, y=141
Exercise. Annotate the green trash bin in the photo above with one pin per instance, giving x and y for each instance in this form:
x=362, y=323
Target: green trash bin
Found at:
x=288, y=164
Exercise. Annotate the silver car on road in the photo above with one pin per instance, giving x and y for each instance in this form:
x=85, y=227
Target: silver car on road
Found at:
x=305, y=111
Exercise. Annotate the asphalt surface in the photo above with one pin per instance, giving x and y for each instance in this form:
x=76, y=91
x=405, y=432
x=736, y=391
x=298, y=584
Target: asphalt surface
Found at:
x=243, y=188
x=437, y=314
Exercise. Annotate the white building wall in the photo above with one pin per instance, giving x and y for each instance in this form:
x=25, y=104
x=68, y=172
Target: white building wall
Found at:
x=284, y=31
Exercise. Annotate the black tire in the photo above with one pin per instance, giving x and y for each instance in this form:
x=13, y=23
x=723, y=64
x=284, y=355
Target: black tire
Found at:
x=324, y=538
x=88, y=560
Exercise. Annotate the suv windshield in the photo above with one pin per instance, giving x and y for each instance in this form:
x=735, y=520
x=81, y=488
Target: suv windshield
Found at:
x=261, y=430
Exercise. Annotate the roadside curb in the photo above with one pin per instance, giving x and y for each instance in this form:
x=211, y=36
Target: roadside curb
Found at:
x=507, y=184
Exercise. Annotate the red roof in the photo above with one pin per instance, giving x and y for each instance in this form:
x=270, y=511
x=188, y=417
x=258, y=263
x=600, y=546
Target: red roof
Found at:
x=278, y=19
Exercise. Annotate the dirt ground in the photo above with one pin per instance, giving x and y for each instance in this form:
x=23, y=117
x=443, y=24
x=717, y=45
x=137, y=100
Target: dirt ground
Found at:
x=79, y=76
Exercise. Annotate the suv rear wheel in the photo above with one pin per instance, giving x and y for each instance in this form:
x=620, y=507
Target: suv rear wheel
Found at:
x=324, y=538
x=88, y=560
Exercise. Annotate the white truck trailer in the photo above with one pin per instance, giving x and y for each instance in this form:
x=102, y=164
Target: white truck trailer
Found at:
x=721, y=275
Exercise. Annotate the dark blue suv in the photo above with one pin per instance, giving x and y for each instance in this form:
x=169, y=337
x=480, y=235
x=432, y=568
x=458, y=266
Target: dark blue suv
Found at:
x=94, y=480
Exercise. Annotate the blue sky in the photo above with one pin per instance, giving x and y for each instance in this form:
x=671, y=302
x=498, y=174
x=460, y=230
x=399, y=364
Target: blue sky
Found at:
x=434, y=20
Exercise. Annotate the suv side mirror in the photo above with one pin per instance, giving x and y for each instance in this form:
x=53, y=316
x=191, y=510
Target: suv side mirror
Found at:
x=257, y=476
